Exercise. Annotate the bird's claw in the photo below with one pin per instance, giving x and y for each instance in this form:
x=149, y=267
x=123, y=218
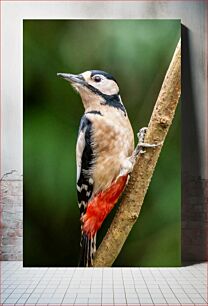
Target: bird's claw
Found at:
x=141, y=134
x=141, y=144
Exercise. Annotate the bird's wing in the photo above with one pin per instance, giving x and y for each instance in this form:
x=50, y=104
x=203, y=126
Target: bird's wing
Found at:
x=85, y=159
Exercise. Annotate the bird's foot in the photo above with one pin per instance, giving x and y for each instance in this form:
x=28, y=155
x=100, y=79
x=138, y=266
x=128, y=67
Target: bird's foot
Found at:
x=141, y=134
x=141, y=144
x=129, y=163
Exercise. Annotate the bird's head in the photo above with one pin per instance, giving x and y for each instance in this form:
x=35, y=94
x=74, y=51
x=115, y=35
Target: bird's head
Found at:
x=95, y=87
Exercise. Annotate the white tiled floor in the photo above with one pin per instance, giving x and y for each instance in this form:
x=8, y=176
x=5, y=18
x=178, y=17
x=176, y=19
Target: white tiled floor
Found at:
x=118, y=286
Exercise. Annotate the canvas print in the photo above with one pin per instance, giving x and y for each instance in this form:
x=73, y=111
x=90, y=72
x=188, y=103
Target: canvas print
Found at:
x=90, y=87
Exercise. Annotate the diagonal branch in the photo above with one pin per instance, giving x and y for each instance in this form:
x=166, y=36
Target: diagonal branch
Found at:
x=129, y=209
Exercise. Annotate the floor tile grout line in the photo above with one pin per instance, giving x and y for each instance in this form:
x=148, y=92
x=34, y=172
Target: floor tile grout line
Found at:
x=170, y=287
x=69, y=285
x=147, y=288
x=8, y=295
x=36, y=284
x=135, y=286
x=184, y=291
x=127, y=277
x=160, y=288
x=122, y=276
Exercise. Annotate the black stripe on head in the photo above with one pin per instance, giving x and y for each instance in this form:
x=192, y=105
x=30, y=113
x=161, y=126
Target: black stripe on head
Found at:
x=105, y=74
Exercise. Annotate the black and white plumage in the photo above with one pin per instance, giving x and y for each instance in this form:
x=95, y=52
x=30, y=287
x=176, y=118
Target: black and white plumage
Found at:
x=105, y=144
x=84, y=157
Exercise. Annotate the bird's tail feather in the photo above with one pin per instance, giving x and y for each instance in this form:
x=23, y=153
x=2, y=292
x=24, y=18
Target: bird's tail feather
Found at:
x=88, y=249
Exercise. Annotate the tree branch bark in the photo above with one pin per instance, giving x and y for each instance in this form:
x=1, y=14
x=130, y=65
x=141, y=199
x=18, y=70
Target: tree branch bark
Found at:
x=129, y=209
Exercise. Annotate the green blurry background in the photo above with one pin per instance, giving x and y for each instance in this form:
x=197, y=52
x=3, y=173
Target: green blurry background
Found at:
x=137, y=53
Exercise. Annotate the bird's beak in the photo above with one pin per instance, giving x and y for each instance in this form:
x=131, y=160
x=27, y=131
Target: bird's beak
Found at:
x=72, y=78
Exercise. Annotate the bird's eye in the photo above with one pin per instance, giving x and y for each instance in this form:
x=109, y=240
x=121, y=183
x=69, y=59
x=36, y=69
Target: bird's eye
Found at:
x=97, y=79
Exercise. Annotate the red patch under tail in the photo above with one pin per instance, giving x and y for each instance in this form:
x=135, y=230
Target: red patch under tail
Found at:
x=101, y=205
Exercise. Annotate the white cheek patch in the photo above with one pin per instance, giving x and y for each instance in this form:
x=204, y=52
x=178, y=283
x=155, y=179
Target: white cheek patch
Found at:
x=106, y=86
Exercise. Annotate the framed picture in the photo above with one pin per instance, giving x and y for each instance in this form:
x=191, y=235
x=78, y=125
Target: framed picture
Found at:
x=129, y=51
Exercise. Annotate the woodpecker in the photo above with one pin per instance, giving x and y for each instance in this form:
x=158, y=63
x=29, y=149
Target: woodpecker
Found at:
x=104, y=153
